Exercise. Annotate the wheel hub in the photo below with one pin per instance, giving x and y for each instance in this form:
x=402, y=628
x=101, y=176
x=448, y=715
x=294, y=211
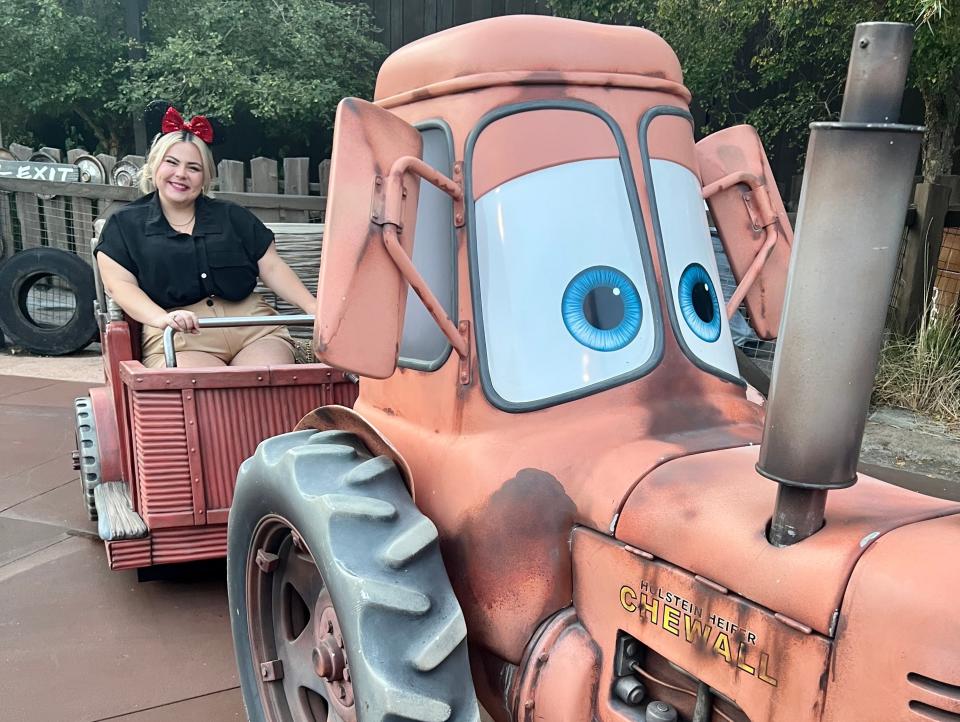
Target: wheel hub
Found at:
x=328, y=659
x=295, y=634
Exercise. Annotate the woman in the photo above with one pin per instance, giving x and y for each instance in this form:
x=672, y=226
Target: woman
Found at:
x=176, y=255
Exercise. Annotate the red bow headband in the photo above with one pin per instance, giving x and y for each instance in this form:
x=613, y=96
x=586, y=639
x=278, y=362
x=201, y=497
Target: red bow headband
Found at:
x=198, y=125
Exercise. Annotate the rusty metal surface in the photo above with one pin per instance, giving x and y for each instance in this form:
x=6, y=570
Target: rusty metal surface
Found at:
x=897, y=652
x=192, y=428
x=559, y=675
x=769, y=669
x=169, y=546
x=722, y=507
x=476, y=470
x=738, y=149
x=818, y=402
x=233, y=421
x=363, y=335
x=565, y=49
x=164, y=484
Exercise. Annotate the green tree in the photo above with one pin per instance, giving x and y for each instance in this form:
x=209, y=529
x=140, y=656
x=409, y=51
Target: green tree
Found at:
x=286, y=63
x=58, y=58
x=780, y=64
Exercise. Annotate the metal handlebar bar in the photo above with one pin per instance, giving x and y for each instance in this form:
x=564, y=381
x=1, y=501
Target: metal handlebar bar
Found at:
x=170, y=353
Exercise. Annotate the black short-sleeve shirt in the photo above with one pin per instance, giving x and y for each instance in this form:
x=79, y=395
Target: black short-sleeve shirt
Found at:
x=177, y=269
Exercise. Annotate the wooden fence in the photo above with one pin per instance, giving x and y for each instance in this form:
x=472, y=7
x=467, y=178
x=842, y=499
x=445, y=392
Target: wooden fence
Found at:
x=61, y=214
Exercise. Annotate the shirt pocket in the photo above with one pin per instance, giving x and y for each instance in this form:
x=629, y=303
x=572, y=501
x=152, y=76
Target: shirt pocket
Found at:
x=234, y=274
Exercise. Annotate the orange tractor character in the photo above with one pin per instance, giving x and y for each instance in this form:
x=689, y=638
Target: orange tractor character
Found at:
x=560, y=502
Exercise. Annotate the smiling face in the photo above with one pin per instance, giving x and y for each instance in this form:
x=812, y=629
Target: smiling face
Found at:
x=179, y=174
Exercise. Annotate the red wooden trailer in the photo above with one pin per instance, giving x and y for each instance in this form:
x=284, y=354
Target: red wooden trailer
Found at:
x=159, y=449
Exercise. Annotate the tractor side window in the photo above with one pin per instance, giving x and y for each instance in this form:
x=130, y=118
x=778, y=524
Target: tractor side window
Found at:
x=423, y=345
x=559, y=264
x=697, y=308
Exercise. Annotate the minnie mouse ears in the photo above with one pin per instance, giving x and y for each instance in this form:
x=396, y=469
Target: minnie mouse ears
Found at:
x=160, y=116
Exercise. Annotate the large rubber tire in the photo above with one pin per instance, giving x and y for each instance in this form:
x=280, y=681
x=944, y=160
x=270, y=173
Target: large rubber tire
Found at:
x=89, y=452
x=350, y=515
x=21, y=273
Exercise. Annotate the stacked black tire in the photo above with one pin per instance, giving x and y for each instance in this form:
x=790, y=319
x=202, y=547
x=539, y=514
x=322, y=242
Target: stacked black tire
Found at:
x=23, y=277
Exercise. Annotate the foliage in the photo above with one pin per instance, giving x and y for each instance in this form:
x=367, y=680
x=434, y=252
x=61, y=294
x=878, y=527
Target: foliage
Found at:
x=922, y=372
x=285, y=64
x=57, y=59
x=288, y=64
x=780, y=64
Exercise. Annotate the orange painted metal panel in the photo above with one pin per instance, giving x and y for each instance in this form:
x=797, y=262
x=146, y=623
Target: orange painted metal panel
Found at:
x=516, y=145
x=364, y=334
x=898, y=639
x=564, y=51
x=708, y=514
x=772, y=671
x=739, y=149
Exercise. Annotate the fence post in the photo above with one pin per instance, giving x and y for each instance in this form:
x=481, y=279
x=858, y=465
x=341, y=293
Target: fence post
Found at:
x=230, y=173
x=108, y=162
x=20, y=152
x=296, y=181
x=918, y=264
x=323, y=172
x=263, y=177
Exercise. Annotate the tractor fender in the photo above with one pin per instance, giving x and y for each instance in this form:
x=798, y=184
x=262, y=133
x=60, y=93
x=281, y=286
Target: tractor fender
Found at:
x=342, y=418
x=108, y=435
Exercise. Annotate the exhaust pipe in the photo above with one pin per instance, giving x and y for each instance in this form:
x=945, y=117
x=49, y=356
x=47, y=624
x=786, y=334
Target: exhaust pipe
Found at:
x=857, y=181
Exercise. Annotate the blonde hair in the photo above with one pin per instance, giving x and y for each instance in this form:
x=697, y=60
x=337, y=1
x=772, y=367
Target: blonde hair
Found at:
x=161, y=146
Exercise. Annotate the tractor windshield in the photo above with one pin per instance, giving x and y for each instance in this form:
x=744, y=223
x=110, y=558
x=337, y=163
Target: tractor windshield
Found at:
x=564, y=303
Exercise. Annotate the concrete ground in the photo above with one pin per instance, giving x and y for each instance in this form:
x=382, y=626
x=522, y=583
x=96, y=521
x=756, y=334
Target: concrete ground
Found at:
x=79, y=643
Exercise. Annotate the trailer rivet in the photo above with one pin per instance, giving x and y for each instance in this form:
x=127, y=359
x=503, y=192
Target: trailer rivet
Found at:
x=193, y=381
x=864, y=42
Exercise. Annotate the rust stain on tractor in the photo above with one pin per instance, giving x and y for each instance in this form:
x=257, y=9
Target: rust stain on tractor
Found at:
x=535, y=508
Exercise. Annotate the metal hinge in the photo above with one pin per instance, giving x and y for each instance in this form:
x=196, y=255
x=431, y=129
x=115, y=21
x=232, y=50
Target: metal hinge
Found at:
x=466, y=371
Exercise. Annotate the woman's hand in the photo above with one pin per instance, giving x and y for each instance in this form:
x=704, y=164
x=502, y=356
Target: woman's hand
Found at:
x=181, y=320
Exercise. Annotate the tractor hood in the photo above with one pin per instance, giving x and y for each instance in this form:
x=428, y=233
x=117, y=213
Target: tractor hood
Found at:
x=708, y=513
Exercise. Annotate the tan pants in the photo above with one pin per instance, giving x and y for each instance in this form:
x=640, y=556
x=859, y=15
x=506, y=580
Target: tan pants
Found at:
x=224, y=343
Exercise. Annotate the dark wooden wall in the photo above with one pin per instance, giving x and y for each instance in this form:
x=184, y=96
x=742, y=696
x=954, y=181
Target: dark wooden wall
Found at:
x=404, y=21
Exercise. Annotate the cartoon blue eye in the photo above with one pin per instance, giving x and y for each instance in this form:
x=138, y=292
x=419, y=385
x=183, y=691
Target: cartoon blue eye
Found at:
x=699, y=303
x=601, y=309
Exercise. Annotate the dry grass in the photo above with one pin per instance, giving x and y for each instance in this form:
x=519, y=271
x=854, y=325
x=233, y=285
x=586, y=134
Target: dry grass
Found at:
x=922, y=373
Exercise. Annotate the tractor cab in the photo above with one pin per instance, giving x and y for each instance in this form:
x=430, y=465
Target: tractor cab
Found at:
x=572, y=239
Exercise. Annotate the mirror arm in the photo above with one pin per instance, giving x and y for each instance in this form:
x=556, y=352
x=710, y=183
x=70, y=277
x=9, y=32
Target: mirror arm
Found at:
x=751, y=275
x=764, y=213
x=419, y=285
x=392, y=223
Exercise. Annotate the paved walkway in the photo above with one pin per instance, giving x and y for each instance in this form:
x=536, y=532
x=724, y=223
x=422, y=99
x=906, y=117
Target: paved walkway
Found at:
x=79, y=643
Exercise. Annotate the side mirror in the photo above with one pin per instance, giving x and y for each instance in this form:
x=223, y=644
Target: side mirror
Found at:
x=361, y=293
x=751, y=220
